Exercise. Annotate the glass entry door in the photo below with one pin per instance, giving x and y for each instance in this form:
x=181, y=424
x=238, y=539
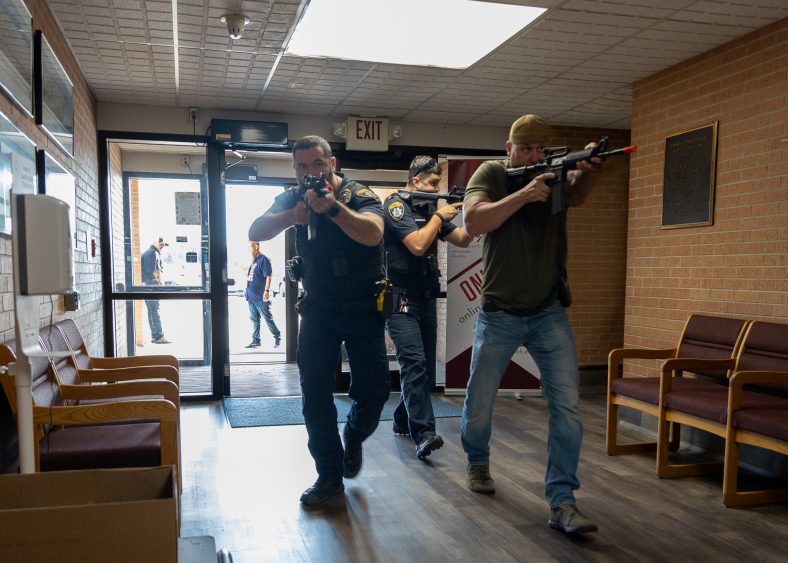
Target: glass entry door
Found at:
x=158, y=292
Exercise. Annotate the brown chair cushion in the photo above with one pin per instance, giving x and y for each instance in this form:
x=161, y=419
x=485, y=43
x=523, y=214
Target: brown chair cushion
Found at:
x=766, y=350
x=101, y=447
x=646, y=389
x=713, y=405
x=769, y=422
x=710, y=338
x=70, y=331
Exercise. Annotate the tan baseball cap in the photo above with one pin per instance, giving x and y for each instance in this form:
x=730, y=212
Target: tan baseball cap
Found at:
x=529, y=129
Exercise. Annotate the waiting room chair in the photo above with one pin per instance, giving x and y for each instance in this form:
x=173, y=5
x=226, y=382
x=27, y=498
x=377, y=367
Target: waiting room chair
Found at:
x=763, y=352
x=109, y=434
x=84, y=361
x=705, y=337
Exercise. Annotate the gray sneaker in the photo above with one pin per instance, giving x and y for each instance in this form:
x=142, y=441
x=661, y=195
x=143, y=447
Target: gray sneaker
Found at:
x=479, y=479
x=569, y=519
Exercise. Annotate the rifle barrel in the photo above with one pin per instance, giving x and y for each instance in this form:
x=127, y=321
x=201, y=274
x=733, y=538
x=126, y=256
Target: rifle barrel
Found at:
x=624, y=150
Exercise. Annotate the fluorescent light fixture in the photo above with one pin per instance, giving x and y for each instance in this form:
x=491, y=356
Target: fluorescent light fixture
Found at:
x=439, y=33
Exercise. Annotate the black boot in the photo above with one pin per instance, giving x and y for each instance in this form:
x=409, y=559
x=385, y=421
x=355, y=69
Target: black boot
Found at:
x=351, y=462
x=323, y=489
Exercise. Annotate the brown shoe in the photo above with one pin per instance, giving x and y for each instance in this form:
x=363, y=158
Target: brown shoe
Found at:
x=479, y=479
x=569, y=519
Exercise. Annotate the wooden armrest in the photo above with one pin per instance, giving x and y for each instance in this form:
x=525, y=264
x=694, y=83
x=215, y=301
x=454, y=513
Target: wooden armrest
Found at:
x=618, y=355
x=673, y=365
x=763, y=377
x=160, y=409
x=128, y=374
x=134, y=361
x=166, y=389
x=696, y=364
x=742, y=378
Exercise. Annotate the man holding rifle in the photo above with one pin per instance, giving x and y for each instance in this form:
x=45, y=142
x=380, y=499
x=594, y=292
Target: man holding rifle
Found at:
x=524, y=296
x=413, y=227
x=340, y=265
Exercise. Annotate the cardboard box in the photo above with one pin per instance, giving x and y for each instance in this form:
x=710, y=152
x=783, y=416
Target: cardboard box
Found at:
x=91, y=516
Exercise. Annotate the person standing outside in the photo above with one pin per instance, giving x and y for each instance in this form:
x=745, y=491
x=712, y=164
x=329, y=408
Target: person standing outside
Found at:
x=151, y=275
x=340, y=267
x=411, y=241
x=258, y=295
x=524, y=259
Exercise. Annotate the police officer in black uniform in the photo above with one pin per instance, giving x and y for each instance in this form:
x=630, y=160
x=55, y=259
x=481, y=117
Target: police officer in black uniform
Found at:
x=339, y=230
x=413, y=226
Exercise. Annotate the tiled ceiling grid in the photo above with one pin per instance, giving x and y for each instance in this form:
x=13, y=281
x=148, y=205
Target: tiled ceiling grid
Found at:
x=575, y=65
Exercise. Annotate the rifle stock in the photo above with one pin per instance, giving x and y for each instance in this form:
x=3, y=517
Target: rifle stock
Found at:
x=429, y=199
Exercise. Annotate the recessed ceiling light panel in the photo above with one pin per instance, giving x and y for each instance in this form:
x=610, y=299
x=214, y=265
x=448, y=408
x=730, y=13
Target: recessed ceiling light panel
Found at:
x=440, y=33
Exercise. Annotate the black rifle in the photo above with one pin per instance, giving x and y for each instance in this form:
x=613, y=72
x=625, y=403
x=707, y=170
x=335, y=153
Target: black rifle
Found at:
x=560, y=161
x=319, y=185
x=428, y=200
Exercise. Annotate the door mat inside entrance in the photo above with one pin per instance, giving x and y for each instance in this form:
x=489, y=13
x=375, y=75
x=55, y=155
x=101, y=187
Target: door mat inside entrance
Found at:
x=244, y=412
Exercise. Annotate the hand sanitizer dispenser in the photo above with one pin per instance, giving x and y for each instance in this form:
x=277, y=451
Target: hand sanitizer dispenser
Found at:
x=43, y=265
x=45, y=260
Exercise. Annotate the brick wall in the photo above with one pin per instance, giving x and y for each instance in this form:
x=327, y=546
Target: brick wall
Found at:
x=597, y=238
x=737, y=266
x=85, y=169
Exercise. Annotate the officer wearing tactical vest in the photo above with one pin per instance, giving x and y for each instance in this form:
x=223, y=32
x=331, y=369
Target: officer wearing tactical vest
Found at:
x=339, y=229
x=411, y=240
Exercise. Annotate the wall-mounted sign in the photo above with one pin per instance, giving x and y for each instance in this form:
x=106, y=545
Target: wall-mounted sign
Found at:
x=367, y=134
x=187, y=208
x=689, y=179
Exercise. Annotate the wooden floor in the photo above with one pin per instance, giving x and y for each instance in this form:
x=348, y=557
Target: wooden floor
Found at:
x=241, y=486
x=274, y=379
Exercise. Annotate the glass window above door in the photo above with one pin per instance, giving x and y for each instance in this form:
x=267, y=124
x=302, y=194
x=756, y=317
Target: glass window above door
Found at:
x=165, y=214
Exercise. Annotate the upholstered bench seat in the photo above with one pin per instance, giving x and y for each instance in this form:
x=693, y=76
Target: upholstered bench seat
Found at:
x=768, y=422
x=646, y=389
x=713, y=405
x=101, y=447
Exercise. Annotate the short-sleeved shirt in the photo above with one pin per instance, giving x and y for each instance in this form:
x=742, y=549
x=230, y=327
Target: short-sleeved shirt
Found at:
x=256, y=276
x=150, y=262
x=521, y=256
x=404, y=269
x=336, y=266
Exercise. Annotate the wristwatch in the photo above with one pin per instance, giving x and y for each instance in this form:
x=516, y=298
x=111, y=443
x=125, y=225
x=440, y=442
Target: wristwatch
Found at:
x=333, y=210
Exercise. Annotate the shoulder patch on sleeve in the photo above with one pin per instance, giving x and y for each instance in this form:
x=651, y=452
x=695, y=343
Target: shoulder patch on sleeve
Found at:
x=366, y=192
x=345, y=195
x=396, y=209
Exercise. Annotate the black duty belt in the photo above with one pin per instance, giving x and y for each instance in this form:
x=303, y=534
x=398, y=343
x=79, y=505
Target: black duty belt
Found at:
x=416, y=294
x=345, y=306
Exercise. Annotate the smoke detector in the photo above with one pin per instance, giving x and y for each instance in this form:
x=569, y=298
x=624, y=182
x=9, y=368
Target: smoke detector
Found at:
x=235, y=24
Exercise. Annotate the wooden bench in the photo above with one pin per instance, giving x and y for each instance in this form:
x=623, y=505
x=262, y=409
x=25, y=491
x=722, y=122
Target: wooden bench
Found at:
x=756, y=418
x=704, y=337
x=136, y=365
x=104, y=434
x=760, y=427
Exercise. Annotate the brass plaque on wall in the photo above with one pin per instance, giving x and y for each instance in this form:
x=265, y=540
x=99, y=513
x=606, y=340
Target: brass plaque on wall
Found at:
x=690, y=178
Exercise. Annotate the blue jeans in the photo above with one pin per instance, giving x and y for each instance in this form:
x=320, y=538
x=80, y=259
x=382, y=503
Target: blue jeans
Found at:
x=549, y=340
x=262, y=309
x=321, y=334
x=414, y=335
x=154, y=320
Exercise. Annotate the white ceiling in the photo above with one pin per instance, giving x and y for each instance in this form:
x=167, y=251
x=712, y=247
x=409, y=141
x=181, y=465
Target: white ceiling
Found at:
x=574, y=66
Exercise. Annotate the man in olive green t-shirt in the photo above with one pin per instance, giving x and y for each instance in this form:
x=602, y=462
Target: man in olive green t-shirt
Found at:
x=524, y=257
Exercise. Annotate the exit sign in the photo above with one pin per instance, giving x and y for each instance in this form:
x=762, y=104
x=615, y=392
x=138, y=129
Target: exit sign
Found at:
x=367, y=134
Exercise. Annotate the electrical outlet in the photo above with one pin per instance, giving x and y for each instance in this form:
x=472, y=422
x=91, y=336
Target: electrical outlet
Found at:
x=186, y=160
x=194, y=115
